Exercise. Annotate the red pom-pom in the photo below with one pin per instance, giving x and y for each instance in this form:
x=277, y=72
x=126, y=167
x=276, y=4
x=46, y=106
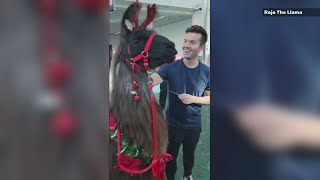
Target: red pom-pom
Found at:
x=58, y=73
x=64, y=124
x=137, y=98
x=135, y=85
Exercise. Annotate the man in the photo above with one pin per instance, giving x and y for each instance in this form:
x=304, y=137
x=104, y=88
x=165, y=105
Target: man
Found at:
x=189, y=88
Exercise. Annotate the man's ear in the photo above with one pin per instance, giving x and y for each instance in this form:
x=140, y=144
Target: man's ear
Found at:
x=128, y=24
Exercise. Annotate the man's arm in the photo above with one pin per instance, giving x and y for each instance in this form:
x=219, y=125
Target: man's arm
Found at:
x=203, y=100
x=156, y=79
x=189, y=99
x=310, y=135
x=277, y=128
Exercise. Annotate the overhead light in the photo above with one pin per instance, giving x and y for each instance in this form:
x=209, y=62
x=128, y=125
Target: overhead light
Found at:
x=117, y=32
x=159, y=18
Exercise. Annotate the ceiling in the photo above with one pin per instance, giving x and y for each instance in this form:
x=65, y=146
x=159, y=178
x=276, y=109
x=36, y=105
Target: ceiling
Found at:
x=169, y=11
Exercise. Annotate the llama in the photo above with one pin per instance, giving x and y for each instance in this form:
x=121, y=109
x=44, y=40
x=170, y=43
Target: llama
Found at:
x=132, y=101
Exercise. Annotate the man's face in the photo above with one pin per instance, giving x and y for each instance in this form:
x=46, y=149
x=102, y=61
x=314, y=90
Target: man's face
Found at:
x=191, y=46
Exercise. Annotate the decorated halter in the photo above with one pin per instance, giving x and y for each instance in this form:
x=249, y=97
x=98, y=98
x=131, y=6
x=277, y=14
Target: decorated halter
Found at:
x=133, y=62
x=157, y=164
x=151, y=12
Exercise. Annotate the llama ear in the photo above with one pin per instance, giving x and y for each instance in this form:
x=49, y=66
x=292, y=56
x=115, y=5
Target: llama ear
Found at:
x=150, y=26
x=129, y=25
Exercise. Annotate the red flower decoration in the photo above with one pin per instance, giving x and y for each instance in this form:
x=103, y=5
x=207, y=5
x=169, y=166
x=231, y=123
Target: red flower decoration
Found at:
x=135, y=85
x=128, y=162
x=58, y=73
x=64, y=124
x=137, y=98
x=159, y=165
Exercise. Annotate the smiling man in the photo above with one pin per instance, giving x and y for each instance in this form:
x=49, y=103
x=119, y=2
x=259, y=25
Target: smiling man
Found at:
x=189, y=88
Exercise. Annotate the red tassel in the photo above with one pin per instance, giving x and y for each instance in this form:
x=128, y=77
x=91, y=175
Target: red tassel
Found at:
x=137, y=98
x=135, y=85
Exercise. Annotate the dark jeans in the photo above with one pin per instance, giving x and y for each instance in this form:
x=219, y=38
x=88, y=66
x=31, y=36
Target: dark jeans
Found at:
x=163, y=94
x=189, y=139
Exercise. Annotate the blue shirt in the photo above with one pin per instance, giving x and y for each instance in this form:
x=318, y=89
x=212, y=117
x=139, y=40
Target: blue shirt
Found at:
x=181, y=79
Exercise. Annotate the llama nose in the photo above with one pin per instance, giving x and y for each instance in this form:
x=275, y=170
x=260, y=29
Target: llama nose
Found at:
x=175, y=51
x=170, y=45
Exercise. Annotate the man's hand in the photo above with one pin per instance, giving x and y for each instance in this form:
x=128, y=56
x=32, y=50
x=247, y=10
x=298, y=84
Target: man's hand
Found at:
x=189, y=99
x=276, y=128
x=156, y=79
x=186, y=98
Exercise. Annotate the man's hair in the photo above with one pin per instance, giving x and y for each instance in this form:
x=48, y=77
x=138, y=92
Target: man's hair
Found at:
x=200, y=30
